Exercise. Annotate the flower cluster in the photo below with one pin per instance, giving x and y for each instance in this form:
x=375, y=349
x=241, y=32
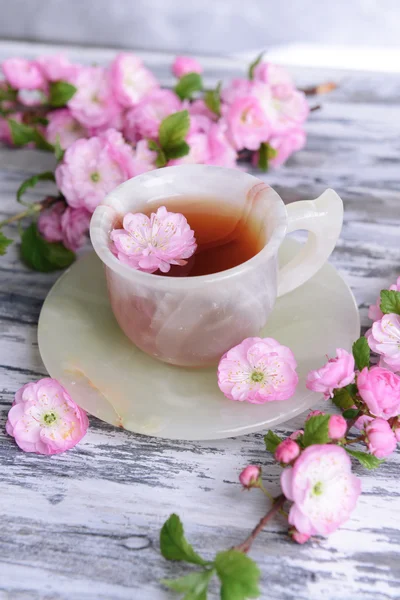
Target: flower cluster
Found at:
x=108, y=124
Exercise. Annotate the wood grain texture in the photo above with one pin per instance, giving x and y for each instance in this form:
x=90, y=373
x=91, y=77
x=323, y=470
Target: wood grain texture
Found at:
x=85, y=524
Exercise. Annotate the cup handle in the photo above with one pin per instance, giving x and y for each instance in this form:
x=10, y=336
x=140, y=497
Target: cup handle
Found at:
x=323, y=219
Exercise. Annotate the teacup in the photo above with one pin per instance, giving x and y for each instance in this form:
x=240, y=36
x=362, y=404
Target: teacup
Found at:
x=193, y=321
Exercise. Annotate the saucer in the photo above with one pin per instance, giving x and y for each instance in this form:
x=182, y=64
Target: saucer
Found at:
x=83, y=347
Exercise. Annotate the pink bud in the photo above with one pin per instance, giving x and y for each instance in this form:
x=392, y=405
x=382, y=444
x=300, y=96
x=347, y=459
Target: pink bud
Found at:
x=287, y=451
x=314, y=413
x=337, y=427
x=296, y=434
x=297, y=536
x=249, y=476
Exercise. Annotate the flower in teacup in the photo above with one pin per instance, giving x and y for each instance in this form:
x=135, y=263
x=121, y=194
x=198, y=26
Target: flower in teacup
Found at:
x=44, y=419
x=323, y=489
x=258, y=371
x=154, y=243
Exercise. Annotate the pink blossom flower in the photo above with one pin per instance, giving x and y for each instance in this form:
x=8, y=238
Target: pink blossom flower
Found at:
x=23, y=74
x=337, y=373
x=131, y=81
x=220, y=151
x=381, y=440
x=323, y=489
x=374, y=312
x=250, y=476
x=44, y=419
x=64, y=127
x=93, y=104
x=258, y=371
x=277, y=77
x=92, y=168
x=384, y=339
x=184, y=65
x=49, y=223
x=300, y=538
x=284, y=112
x=247, y=123
x=145, y=118
x=143, y=159
x=362, y=422
x=238, y=88
x=286, y=144
x=337, y=427
x=287, y=451
x=156, y=242
x=380, y=390
x=56, y=67
x=74, y=225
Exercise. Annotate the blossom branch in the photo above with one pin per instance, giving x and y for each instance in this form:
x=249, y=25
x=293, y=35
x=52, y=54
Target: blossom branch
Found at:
x=246, y=545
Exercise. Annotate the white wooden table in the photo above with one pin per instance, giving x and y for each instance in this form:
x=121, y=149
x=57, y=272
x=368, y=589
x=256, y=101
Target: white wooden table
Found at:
x=85, y=524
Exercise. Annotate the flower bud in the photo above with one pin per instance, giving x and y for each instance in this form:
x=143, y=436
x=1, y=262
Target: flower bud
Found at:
x=297, y=536
x=337, y=427
x=249, y=476
x=380, y=438
x=287, y=451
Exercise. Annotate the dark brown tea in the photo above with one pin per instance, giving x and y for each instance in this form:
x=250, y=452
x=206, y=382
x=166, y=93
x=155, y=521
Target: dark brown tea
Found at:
x=224, y=237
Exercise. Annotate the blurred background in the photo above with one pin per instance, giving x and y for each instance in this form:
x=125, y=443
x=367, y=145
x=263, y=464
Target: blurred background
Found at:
x=206, y=26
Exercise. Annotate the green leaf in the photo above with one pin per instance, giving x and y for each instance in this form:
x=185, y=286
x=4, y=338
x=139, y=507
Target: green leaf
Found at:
x=361, y=353
x=367, y=460
x=187, y=85
x=22, y=134
x=8, y=94
x=58, y=150
x=390, y=302
x=4, y=243
x=212, y=99
x=41, y=255
x=152, y=145
x=316, y=430
x=161, y=159
x=351, y=413
x=239, y=575
x=173, y=129
x=32, y=181
x=194, y=585
x=174, y=545
x=60, y=93
x=263, y=157
x=272, y=441
x=344, y=397
x=181, y=149
x=254, y=64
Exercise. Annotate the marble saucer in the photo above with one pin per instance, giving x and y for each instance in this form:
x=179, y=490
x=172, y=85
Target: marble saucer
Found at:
x=82, y=346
